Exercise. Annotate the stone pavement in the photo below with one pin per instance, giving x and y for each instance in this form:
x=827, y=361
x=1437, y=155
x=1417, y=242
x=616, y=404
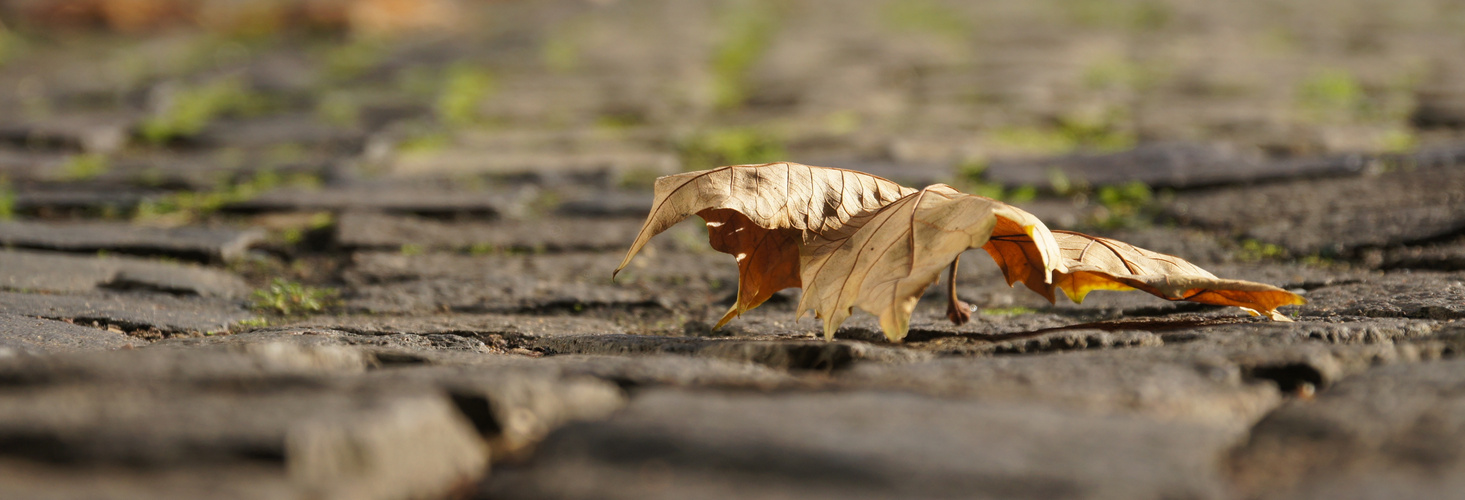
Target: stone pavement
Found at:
x=300, y=266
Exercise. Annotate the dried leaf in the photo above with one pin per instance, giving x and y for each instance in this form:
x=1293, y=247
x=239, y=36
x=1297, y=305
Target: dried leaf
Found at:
x=1095, y=263
x=883, y=261
x=856, y=240
x=761, y=214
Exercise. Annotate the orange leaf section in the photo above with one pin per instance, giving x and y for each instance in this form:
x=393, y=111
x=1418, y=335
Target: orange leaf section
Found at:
x=1096, y=263
x=768, y=259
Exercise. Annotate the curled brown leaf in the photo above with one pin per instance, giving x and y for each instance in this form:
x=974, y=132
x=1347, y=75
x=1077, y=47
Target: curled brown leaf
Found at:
x=883, y=261
x=761, y=214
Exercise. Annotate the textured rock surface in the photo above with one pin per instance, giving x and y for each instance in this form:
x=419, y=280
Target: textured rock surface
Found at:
x=186, y=242
x=1393, y=431
x=675, y=444
x=344, y=261
x=58, y=273
x=30, y=335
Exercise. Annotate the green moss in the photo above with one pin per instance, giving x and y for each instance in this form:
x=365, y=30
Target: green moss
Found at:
x=1034, y=140
x=84, y=166
x=560, y=53
x=7, y=199
x=481, y=249
x=194, y=205
x=926, y=16
x=345, y=61
x=1124, y=205
x=1127, y=15
x=730, y=146
x=971, y=178
x=1254, y=251
x=427, y=142
x=411, y=249
x=1120, y=73
x=464, y=88
x=288, y=298
x=1399, y=141
x=193, y=108
x=251, y=323
x=748, y=28
x=337, y=108
x=11, y=46
x=638, y=178
x=1331, y=95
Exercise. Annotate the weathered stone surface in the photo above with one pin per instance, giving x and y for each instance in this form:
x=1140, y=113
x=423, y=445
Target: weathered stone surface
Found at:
x=515, y=409
x=281, y=129
x=89, y=133
x=132, y=312
x=327, y=444
x=203, y=243
x=674, y=444
x=250, y=358
x=29, y=335
x=82, y=197
x=1448, y=256
x=604, y=168
x=1399, y=294
x=797, y=354
x=62, y=273
x=384, y=231
x=606, y=204
x=477, y=325
x=1393, y=431
x=471, y=295
x=685, y=269
x=1338, y=215
x=1118, y=382
x=672, y=370
x=418, y=201
x=1176, y=165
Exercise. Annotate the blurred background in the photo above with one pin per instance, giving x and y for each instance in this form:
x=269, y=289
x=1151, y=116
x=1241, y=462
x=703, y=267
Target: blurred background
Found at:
x=285, y=114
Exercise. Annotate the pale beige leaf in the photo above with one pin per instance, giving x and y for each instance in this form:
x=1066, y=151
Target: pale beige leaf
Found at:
x=1096, y=263
x=761, y=214
x=883, y=261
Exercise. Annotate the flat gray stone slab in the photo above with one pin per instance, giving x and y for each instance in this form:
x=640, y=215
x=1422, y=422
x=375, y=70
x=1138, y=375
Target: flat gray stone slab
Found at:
x=1389, y=432
x=707, y=269
x=514, y=409
x=30, y=335
x=1398, y=294
x=481, y=325
x=470, y=295
x=386, y=231
x=92, y=133
x=1104, y=382
x=62, y=273
x=409, y=200
x=250, y=358
x=201, y=243
x=1172, y=165
x=776, y=353
x=600, y=168
x=84, y=198
x=675, y=444
x=1447, y=256
x=335, y=444
x=132, y=312
x=1336, y=215
x=271, y=131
